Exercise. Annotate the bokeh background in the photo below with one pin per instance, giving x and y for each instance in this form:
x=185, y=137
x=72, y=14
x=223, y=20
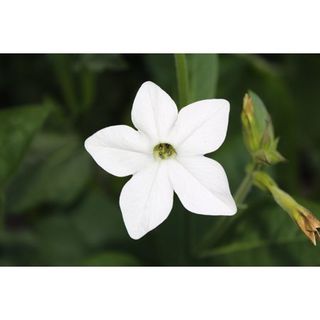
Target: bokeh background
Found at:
x=59, y=208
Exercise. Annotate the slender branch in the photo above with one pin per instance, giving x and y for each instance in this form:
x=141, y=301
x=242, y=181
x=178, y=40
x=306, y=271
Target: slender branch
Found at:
x=244, y=187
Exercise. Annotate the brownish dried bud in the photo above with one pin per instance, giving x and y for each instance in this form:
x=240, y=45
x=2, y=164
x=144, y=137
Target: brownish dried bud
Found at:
x=309, y=224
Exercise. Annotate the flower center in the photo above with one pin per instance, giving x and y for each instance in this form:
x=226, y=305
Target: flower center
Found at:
x=164, y=151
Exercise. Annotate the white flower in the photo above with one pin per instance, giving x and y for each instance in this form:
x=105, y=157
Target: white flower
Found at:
x=165, y=155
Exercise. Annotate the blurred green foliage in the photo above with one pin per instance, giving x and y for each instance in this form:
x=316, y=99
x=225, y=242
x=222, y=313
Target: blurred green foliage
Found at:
x=57, y=207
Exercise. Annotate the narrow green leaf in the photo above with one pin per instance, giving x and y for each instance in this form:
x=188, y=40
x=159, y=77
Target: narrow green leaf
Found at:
x=203, y=74
x=17, y=129
x=182, y=79
x=238, y=247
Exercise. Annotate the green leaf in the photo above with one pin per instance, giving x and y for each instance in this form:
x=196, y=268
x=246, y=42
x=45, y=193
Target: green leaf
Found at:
x=17, y=129
x=55, y=171
x=71, y=236
x=112, y=258
x=268, y=156
x=203, y=72
x=98, y=220
x=249, y=245
x=58, y=241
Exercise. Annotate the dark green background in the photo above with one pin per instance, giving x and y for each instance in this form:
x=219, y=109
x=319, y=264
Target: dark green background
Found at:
x=59, y=208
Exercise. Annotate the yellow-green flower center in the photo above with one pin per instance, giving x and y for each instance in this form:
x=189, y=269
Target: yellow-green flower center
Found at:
x=164, y=151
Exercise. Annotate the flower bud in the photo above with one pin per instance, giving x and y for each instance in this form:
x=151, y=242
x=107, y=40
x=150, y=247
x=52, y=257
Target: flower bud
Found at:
x=250, y=132
x=258, y=131
x=307, y=222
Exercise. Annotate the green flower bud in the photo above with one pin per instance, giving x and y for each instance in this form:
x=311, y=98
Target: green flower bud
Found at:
x=258, y=131
x=250, y=131
x=306, y=221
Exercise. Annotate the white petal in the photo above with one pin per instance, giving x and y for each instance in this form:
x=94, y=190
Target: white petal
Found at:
x=146, y=199
x=202, y=186
x=153, y=112
x=120, y=150
x=201, y=127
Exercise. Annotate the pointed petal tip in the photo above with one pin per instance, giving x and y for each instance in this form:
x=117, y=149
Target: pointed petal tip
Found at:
x=148, y=82
x=226, y=103
x=231, y=209
x=135, y=236
x=87, y=144
x=223, y=103
x=229, y=206
x=138, y=233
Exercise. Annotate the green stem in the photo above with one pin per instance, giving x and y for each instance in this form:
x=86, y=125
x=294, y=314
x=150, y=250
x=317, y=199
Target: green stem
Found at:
x=244, y=188
x=183, y=90
x=182, y=78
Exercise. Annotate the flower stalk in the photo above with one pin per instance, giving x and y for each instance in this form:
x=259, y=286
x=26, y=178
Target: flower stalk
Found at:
x=245, y=186
x=182, y=79
x=306, y=221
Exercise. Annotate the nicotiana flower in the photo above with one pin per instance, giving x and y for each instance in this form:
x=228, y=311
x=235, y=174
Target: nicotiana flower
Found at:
x=165, y=155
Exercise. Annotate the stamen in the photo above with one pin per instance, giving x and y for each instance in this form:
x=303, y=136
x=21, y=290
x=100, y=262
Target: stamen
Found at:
x=164, y=151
